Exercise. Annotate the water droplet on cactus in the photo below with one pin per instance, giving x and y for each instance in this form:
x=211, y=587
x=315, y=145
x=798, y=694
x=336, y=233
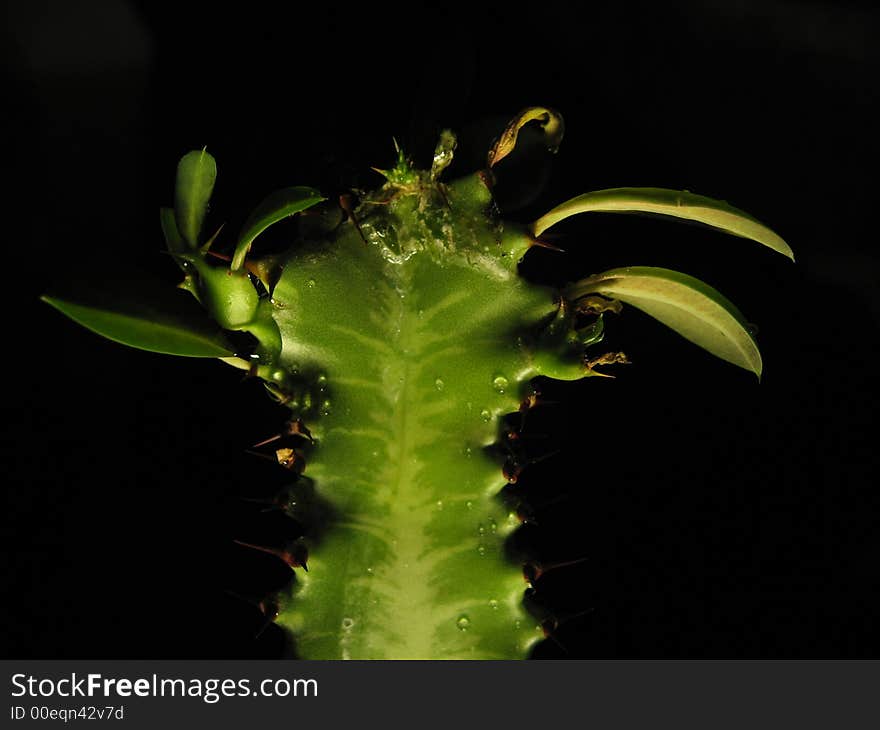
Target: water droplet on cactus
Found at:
x=463, y=622
x=322, y=379
x=480, y=529
x=493, y=604
x=347, y=623
x=310, y=283
x=439, y=504
x=469, y=504
x=485, y=415
x=439, y=384
x=325, y=408
x=500, y=383
x=493, y=525
x=481, y=550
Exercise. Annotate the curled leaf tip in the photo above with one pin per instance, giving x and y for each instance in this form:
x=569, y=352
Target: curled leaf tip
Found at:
x=549, y=120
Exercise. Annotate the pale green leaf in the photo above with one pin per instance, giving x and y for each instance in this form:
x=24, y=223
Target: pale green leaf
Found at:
x=279, y=205
x=159, y=320
x=675, y=203
x=196, y=173
x=687, y=305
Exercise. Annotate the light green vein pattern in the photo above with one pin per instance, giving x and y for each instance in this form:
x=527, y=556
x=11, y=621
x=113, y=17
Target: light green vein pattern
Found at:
x=414, y=566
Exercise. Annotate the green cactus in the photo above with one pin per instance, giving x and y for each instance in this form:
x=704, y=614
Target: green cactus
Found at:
x=398, y=334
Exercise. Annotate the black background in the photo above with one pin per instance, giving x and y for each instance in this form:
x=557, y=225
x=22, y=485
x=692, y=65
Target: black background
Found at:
x=716, y=516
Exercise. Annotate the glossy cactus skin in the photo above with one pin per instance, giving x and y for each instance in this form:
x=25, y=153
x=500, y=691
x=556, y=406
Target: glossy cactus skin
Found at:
x=398, y=339
x=407, y=380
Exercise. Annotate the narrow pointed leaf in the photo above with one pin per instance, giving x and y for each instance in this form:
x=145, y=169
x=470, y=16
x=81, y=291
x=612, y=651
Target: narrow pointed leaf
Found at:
x=168, y=222
x=164, y=321
x=279, y=205
x=196, y=173
x=674, y=203
x=687, y=305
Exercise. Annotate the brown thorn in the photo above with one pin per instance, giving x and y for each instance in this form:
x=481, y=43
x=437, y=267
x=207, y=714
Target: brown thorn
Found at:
x=294, y=559
x=543, y=244
x=533, y=570
x=346, y=202
x=267, y=441
x=260, y=456
x=278, y=502
x=221, y=256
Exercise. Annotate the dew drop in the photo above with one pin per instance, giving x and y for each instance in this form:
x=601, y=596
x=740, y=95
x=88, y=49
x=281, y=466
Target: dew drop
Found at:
x=481, y=550
x=347, y=623
x=310, y=283
x=322, y=379
x=493, y=604
x=325, y=408
x=469, y=504
x=500, y=383
x=439, y=504
x=480, y=529
x=439, y=384
x=485, y=415
x=493, y=525
x=463, y=622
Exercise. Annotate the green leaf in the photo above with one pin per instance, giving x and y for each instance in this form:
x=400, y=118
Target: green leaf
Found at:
x=169, y=228
x=675, y=203
x=196, y=173
x=687, y=305
x=160, y=320
x=279, y=205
